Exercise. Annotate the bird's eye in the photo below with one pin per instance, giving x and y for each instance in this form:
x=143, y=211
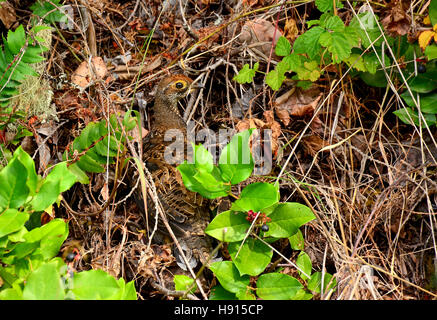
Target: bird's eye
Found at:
x=179, y=85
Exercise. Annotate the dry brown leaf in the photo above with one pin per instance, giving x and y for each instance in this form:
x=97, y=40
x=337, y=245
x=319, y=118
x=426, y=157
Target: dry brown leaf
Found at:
x=290, y=30
x=7, y=14
x=396, y=21
x=83, y=75
x=297, y=102
x=261, y=32
x=270, y=123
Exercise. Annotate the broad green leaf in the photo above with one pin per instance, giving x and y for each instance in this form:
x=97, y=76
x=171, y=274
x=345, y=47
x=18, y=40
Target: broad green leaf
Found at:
x=368, y=28
x=236, y=162
x=297, y=242
x=60, y=179
x=304, y=263
x=431, y=52
x=189, y=174
x=428, y=101
x=257, y=196
x=308, y=43
x=406, y=115
x=11, y=294
x=432, y=9
x=12, y=220
x=275, y=79
x=308, y=71
x=183, y=283
x=328, y=5
x=287, y=218
x=356, y=61
x=303, y=295
x=202, y=158
x=27, y=162
x=96, y=285
x=338, y=45
x=424, y=82
x=315, y=283
x=253, y=258
x=16, y=39
x=219, y=293
x=50, y=236
x=228, y=226
x=277, y=286
x=293, y=61
x=229, y=277
x=377, y=79
x=334, y=23
x=246, y=74
x=44, y=283
x=13, y=188
x=283, y=47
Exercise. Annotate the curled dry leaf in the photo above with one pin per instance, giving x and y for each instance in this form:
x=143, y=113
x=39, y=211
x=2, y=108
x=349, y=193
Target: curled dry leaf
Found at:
x=290, y=30
x=7, y=14
x=297, y=102
x=269, y=123
x=261, y=34
x=83, y=75
x=396, y=20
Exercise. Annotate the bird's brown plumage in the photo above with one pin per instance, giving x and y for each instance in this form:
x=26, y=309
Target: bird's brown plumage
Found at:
x=187, y=212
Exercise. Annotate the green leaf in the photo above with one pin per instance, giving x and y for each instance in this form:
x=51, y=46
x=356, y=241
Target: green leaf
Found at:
x=27, y=162
x=16, y=39
x=246, y=74
x=274, y=79
x=257, y=196
x=432, y=9
x=293, y=61
x=183, y=283
x=337, y=44
x=194, y=180
x=253, y=258
x=60, y=179
x=328, y=5
x=308, y=71
x=314, y=284
x=424, y=82
x=50, y=236
x=428, y=101
x=377, y=79
x=367, y=27
x=44, y=283
x=283, y=47
x=277, y=286
x=431, y=52
x=228, y=226
x=304, y=263
x=219, y=293
x=202, y=158
x=12, y=220
x=405, y=114
x=308, y=43
x=236, y=162
x=229, y=277
x=13, y=188
x=297, y=241
x=356, y=61
x=287, y=218
x=98, y=285
x=334, y=23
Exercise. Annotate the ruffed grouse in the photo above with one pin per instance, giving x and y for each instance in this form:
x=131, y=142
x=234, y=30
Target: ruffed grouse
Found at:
x=186, y=212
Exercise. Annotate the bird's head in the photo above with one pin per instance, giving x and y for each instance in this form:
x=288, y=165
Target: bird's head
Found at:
x=174, y=88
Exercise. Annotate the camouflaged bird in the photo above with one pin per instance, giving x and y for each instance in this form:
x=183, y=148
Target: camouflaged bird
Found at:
x=186, y=211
